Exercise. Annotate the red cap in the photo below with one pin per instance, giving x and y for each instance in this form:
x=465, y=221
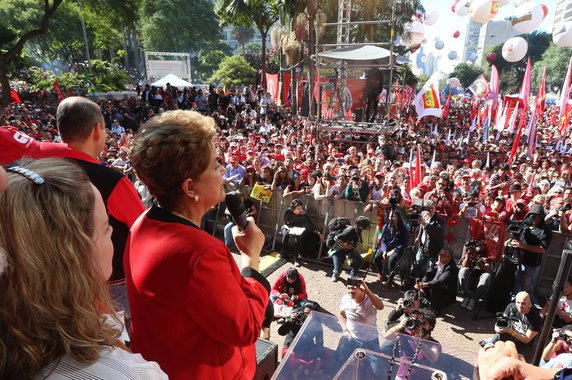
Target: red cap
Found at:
x=15, y=145
x=379, y=174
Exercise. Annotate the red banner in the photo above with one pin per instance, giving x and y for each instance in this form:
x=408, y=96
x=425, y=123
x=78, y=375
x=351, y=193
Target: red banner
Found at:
x=494, y=239
x=58, y=91
x=272, y=85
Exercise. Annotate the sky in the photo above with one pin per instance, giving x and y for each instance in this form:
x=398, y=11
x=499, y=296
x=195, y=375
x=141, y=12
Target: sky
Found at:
x=449, y=22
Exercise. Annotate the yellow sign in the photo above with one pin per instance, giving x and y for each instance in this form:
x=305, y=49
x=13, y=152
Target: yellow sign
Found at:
x=260, y=193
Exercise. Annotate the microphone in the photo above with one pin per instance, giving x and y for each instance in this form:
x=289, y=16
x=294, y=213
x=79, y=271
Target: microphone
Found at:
x=236, y=208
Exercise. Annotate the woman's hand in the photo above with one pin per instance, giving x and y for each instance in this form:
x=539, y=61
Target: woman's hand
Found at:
x=249, y=242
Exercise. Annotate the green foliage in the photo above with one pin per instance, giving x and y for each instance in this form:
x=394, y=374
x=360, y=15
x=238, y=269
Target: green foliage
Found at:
x=104, y=76
x=209, y=62
x=510, y=73
x=421, y=80
x=233, y=72
x=242, y=34
x=178, y=25
x=466, y=73
x=556, y=60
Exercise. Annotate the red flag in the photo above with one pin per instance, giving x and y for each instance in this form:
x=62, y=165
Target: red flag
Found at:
x=58, y=91
x=15, y=97
x=494, y=86
x=517, y=138
x=411, y=181
x=565, y=91
x=417, y=168
x=525, y=87
x=447, y=105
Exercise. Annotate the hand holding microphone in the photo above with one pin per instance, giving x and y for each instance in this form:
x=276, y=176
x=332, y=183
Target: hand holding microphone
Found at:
x=248, y=238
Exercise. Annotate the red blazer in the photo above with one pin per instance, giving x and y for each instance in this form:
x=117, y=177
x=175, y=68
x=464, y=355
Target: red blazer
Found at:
x=191, y=309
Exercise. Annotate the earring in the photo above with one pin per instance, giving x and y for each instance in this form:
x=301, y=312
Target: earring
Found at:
x=196, y=198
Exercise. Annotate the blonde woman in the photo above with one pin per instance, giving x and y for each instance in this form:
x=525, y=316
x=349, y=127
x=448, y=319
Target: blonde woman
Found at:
x=55, y=234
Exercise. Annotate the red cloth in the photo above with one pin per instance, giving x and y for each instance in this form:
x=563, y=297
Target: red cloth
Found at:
x=192, y=311
x=58, y=91
x=15, y=145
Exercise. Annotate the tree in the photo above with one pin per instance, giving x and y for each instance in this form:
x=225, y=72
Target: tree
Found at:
x=233, y=72
x=209, y=62
x=242, y=34
x=178, y=25
x=556, y=60
x=511, y=73
x=466, y=73
x=263, y=13
x=15, y=34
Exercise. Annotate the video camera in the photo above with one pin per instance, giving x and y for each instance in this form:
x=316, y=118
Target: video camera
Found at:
x=417, y=207
x=517, y=227
x=562, y=335
x=395, y=198
x=504, y=321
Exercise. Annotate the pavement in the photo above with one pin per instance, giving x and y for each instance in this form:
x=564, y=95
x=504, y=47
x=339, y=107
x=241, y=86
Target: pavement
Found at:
x=457, y=330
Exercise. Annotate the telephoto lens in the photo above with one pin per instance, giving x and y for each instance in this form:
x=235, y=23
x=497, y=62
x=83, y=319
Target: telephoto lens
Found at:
x=412, y=323
x=406, y=303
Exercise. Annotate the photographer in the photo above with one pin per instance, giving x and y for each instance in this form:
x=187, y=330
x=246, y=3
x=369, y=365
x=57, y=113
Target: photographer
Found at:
x=290, y=287
x=475, y=265
x=520, y=323
x=344, y=244
x=530, y=243
x=313, y=342
x=439, y=284
x=557, y=353
x=411, y=300
x=430, y=239
x=357, y=189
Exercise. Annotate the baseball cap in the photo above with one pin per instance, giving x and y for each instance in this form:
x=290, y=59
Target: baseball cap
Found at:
x=536, y=209
x=15, y=145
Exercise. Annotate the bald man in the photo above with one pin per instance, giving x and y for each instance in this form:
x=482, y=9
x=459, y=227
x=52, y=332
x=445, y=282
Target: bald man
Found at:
x=524, y=324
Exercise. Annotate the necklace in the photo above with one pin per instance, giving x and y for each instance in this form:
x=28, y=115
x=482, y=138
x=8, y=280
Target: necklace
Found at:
x=394, y=354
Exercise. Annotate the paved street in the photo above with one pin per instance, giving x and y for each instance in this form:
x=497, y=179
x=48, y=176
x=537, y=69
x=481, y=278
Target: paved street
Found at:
x=457, y=331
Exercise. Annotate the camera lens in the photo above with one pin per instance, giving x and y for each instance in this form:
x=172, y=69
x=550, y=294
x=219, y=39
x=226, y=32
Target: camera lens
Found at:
x=406, y=303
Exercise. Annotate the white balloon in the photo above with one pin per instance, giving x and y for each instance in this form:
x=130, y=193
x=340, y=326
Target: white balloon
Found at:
x=518, y=3
x=452, y=55
x=562, y=35
x=431, y=17
x=469, y=63
x=439, y=45
x=414, y=33
x=454, y=82
x=528, y=17
x=461, y=7
x=514, y=49
x=472, y=57
x=482, y=11
x=502, y=3
x=423, y=59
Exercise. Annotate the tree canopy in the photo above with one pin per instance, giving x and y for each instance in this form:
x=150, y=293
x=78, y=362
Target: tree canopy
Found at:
x=556, y=60
x=466, y=73
x=233, y=72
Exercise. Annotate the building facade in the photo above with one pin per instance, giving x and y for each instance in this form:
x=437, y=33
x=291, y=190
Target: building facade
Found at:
x=493, y=33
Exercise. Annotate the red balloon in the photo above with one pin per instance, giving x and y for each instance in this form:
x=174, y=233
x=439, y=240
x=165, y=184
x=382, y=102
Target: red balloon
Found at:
x=491, y=57
x=456, y=34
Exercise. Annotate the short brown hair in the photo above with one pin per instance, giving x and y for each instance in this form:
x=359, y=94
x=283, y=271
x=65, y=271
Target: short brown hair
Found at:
x=172, y=147
x=76, y=118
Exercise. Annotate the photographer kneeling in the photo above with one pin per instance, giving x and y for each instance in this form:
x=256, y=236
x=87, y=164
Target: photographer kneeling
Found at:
x=411, y=300
x=520, y=323
x=475, y=264
x=557, y=353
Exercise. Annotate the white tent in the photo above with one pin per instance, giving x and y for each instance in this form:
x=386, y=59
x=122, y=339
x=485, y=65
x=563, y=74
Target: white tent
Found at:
x=174, y=80
x=361, y=54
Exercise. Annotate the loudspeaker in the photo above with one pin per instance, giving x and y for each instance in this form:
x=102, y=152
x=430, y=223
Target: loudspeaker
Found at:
x=266, y=359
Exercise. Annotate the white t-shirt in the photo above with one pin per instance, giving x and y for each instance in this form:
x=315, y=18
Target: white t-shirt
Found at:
x=360, y=318
x=113, y=364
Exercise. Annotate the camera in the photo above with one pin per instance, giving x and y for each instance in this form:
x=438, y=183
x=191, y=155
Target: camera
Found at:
x=395, y=197
x=412, y=323
x=565, y=208
x=562, y=335
x=407, y=303
x=471, y=243
x=503, y=322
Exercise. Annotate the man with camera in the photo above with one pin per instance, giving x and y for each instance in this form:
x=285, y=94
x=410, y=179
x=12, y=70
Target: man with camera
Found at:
x=430, y=239
x=557, y=353
x=563, y=314
x=343, y=244
x=439, y=284
x=475, y=265
x=411, y=300
x=519, y=323
x=530, y=240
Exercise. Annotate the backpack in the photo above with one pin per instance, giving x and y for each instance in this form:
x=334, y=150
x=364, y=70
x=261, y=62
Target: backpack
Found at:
x=335, y=226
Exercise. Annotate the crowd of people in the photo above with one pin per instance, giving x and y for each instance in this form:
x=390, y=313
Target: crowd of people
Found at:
x=416, y=176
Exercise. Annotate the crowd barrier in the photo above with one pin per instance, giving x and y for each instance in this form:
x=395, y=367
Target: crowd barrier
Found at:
x=270, y=219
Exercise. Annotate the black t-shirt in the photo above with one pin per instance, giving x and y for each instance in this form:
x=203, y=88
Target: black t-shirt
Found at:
x=523, y=323
x=537, y=236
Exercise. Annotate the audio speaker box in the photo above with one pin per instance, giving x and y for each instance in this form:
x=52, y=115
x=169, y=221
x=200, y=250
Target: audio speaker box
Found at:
x=266, y=359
